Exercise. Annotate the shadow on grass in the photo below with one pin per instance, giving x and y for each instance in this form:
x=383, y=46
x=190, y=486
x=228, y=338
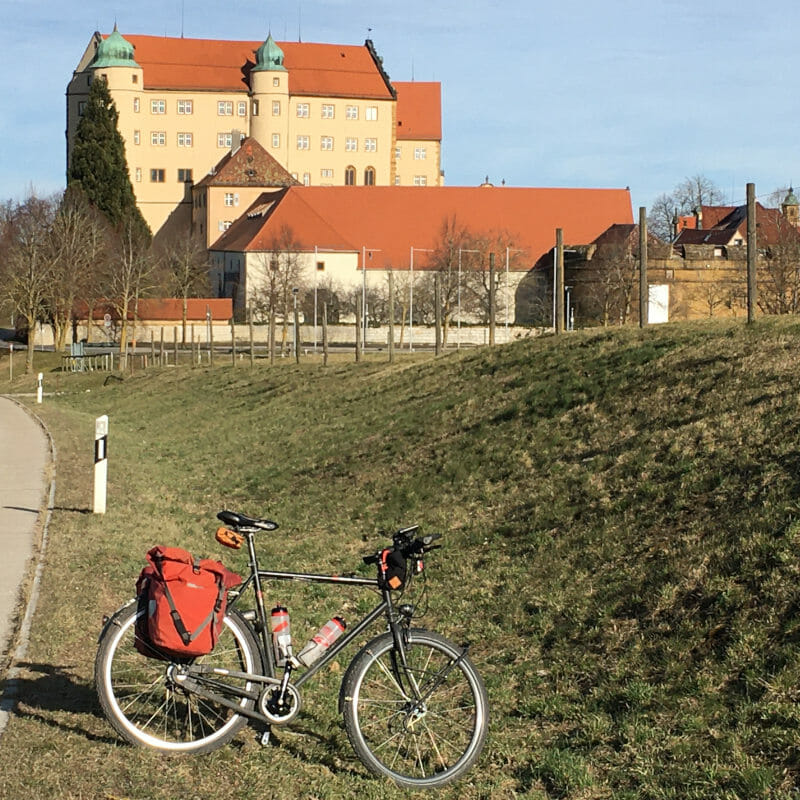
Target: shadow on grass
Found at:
x=72, y=510
x=51, y=691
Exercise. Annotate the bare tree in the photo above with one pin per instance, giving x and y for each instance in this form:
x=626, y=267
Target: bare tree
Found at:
x=78, y=244
x=129, y=277
x=28, y=262
x=445, y=260
x=278, y=271
x=691, y=193
x=779, y=272
x=186, y=268
x=605, y=284
x=476, y=272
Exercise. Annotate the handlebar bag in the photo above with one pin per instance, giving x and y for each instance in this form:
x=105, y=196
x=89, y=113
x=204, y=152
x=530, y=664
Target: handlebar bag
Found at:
x=182, y=600
x=392, y=569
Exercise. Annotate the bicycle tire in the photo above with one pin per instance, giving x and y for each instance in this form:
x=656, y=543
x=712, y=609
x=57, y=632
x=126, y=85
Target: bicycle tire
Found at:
x=423, y=748
x=146, y=710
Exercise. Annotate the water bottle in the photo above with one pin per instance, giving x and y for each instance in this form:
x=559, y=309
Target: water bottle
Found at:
x=281, y=635
x=321, y=641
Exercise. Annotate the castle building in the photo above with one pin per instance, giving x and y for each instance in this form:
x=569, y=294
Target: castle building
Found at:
x=327, y=113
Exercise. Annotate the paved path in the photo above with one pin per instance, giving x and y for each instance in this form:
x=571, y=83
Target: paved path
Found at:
x=24, y=457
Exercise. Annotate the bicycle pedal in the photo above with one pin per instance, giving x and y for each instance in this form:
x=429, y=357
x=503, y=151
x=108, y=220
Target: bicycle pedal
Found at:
x=264, y=740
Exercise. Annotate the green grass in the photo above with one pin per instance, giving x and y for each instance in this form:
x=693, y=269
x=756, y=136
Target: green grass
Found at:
x=620, y=516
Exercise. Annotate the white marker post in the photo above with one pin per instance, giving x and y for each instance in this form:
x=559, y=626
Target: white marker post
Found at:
x=100, y=463
x=39, y=389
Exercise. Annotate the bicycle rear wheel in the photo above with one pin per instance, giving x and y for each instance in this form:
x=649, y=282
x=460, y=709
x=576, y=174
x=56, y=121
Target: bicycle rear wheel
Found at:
x=148, y=709
x=420, y=739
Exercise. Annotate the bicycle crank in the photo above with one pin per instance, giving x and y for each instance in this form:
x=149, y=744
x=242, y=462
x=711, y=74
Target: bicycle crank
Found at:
x=278, y=706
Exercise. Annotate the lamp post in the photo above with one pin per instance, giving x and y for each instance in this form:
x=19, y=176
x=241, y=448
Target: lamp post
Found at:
x=296, y=350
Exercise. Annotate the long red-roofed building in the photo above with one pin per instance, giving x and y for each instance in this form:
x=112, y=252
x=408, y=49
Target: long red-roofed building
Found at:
x=334, y=232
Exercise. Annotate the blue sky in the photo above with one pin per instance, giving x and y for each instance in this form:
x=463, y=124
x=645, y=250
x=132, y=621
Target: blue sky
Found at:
x=577, y=93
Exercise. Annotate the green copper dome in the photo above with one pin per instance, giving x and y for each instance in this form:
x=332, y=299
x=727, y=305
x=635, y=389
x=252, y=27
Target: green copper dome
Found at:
x=791, y=200
x=269, y=57
x=114, y=51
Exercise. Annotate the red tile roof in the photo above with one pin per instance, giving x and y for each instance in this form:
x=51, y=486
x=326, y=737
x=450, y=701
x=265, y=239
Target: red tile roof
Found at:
x=165, y=309
x=389, y=220
x=721, y=224
x=419, y=110
x=249, y=165
x=328, y=70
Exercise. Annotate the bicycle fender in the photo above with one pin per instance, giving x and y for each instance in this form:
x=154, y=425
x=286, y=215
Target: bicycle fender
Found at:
x=111, y=620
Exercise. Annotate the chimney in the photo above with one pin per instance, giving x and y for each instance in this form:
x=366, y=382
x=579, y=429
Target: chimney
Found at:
x=698, y=218
x=236, y=140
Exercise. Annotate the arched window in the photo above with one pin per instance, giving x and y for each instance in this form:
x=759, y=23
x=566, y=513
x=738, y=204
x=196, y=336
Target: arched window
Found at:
x=350, y=176
x=369, y=176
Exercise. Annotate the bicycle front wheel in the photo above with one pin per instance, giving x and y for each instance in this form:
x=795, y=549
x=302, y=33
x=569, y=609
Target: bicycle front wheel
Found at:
x=148, y=709
x=422, y=725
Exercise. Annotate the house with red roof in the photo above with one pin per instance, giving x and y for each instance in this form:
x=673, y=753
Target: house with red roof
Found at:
x=349, y=238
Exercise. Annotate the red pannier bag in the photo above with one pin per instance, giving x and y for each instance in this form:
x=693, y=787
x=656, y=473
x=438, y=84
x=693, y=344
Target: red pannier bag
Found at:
x=183, y=601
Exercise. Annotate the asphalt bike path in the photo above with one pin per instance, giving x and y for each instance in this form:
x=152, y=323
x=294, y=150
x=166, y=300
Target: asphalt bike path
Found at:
x=26, y=494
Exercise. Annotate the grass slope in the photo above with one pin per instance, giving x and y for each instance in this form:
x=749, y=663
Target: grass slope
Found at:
x=621, y=550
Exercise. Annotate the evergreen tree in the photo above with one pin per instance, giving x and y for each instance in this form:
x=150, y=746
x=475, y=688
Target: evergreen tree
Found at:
x=98, y=164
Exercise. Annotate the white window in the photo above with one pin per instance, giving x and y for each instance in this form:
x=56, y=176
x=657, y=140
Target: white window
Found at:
x=185, y=107
x=137, y=137
x=371, y=113
x=224, y=139
x=396, y=180
x=351, y=112
x=276, y=140
x=158, y=106
x=303, y=143
x=241, y=108
x=158, y=138
x=185, y=140
x=327, y=111
x=326, y=173
x=370, y=145
x=276, y=108
x=420, y=180
x=420, y=153
x=138, y=174
x=398, y=152
x=225, y=108
x=228, y=198
x=327, y=142
x=351, y=144
x=136, y=105
x=306, y=179
x=303, y=110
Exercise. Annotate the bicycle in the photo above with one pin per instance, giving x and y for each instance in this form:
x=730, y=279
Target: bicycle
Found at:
x=414, y=707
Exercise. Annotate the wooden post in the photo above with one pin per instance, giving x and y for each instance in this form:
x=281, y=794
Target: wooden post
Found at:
x=643, y=288
x=437, y=299
x=152, y=347
x=271, y=337
x=491, y=299
x=296, y=333
x=211, y=343
x=558, y=285
x=358, y=327
x=752, y=253
x=175, y=344
x=161, y=348
x=325, y=334
x=195, y=359
x=233, y=343
x=391, y=317
x=252, y=353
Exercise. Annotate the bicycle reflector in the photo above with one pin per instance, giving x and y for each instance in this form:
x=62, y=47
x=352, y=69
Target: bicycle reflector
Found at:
x=229, y=538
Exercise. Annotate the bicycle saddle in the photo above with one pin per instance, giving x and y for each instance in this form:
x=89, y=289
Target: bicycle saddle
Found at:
x=236, y=520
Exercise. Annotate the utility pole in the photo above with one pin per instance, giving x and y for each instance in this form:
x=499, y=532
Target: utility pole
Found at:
x=643, y=288
x=752, y=253
x=437, y=299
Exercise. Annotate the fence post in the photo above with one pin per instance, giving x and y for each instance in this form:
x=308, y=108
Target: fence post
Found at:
x=211, y=343
x=175, y=344
x=152, y=347
x=358, y=328
x=325, y=334
x=437, y=299
x=391, y=317
x=161, y=348
x=252, y=354
x=233, y=343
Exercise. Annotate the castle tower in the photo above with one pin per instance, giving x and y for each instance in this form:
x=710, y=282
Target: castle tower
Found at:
x=791, y=208
x=269, y=89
